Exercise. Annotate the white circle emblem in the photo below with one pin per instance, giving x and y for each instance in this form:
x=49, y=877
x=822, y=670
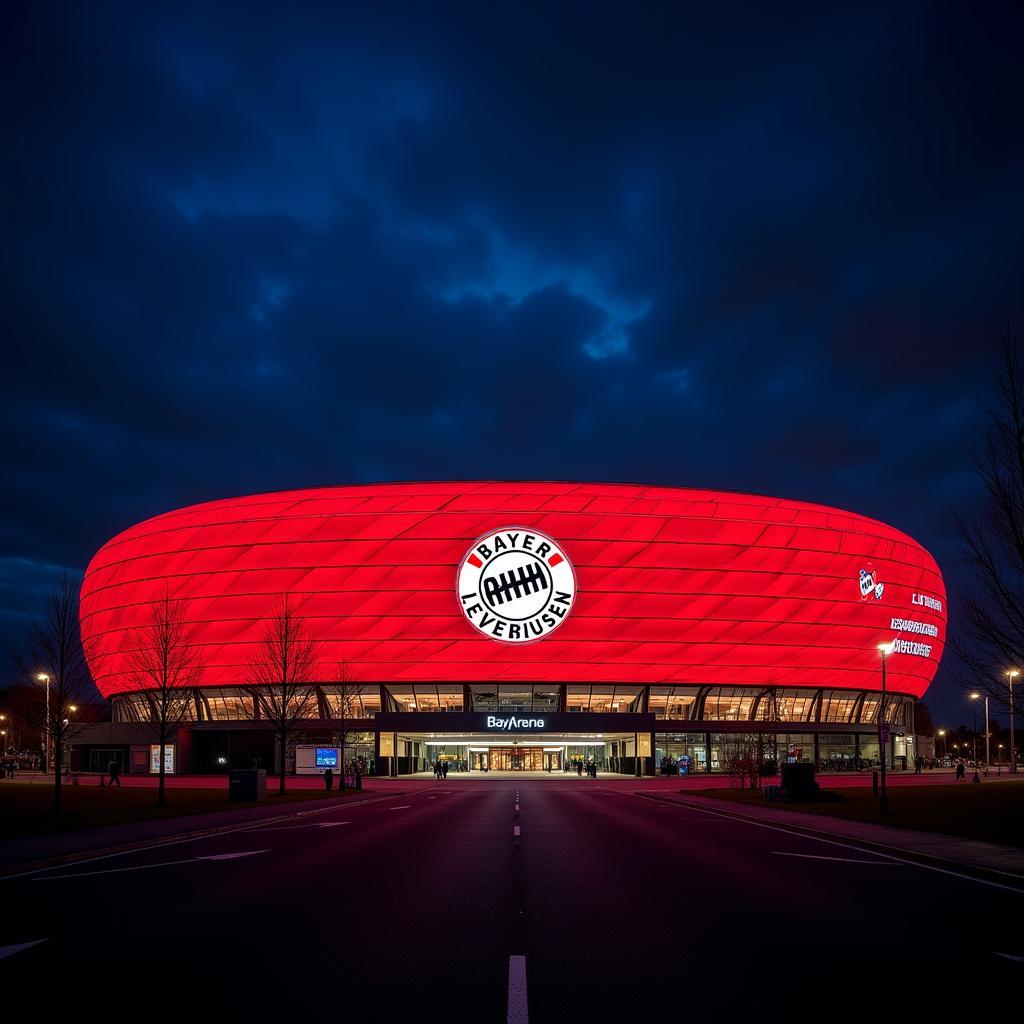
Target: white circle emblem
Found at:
x=516, y=585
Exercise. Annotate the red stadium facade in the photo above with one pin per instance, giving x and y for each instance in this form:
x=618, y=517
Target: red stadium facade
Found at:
x=660, y=622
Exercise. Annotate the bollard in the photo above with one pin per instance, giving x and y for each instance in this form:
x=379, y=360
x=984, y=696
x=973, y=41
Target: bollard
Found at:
x=874, y=783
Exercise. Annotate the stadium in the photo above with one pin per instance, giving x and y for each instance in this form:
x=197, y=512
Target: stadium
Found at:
x=525, y=626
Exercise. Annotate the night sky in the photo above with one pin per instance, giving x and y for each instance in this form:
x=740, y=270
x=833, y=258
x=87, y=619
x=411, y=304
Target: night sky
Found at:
x=765, y=249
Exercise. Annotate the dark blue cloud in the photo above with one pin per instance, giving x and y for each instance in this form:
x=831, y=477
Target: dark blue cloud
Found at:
x=760, y=249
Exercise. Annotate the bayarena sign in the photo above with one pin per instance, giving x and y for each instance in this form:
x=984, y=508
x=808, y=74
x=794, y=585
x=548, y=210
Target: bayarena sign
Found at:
x=516, y=585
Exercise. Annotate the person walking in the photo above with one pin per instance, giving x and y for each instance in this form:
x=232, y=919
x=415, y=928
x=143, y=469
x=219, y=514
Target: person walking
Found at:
x=444, y=769
x=959, y=771
x=328, y=780
x=114, y=771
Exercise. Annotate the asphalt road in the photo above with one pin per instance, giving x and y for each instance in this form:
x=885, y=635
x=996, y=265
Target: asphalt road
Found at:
x=409, y=907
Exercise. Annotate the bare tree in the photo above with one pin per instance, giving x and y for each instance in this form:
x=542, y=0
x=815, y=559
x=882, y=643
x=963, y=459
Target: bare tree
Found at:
x=991, y=635
x=54, y=661
x=349, y=693
x=283, y=675
x=164, y=663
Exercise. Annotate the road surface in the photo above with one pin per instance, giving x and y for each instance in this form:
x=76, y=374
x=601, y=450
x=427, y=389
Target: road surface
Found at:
x=445, y=903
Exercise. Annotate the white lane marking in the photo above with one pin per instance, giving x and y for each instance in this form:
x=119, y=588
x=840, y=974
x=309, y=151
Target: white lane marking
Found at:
x=859, y=849
x=517, y=808
x=1005, y=956
x=312, y=824
x=20, y=946
x=515, y=830
x=518, y=1010
x=841, y=860
x=400, y=807
x=230, y=856
x=146, y=867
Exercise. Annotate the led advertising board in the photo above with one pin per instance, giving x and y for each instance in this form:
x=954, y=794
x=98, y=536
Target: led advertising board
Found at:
x=327, y=757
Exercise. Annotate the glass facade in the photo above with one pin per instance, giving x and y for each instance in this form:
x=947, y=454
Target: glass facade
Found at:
x=351, y=703
x=725, y=704
x=673, y=702
x=514, y=697
x=604, y=699
x=676, y=747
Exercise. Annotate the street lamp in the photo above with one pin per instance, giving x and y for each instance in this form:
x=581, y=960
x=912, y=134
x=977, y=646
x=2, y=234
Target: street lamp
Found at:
x=44, y=678
x=883, y=796
x=975, y=696
x=941, y=735
x=1011, y=675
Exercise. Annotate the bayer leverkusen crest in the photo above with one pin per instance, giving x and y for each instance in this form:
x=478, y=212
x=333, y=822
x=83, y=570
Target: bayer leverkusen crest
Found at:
x=516, y=585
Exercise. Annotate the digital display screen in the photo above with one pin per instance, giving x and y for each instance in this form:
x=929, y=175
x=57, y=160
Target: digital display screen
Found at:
x=326, y=757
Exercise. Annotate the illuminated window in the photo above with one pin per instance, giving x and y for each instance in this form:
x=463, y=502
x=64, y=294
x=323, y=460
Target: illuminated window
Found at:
x=577, y=698
x=786, y=705
x=724, y=704
x=228, y=705
x=484, y=698
x=360, y=705
x=403, y=697
x=673, y=702
x=603, y=698
x=838, y=705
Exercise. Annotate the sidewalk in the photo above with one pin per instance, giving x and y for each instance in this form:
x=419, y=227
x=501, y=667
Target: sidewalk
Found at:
x=1004, y=864
x=66, y=847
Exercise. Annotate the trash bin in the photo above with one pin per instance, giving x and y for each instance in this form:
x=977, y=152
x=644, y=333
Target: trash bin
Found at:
x=247, y=784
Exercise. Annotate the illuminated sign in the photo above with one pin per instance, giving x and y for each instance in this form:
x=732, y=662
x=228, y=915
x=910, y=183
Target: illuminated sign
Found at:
x=926, y=602
x=516, y=585
x=869, y=585
x=154, y=759
x=911, y=647
x=327, y=757
x=498, y=722
x=911, y=626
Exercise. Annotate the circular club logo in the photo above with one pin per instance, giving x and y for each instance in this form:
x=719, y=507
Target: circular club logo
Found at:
x=516, y=585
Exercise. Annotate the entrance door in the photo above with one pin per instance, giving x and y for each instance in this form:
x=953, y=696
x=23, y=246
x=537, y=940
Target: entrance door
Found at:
x=517, y=759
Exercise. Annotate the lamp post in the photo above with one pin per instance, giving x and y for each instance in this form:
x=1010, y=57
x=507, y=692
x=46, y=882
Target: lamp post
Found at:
x=44, y=678
x=942, y=736
x=976, y=697
x=974, y=737
x=1011, y=675
x=883, y=796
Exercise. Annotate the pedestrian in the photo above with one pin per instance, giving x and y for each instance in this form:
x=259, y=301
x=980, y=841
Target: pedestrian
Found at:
x=328, y=780
x=959, y=771
x=579, y=769
x=444, y=769
x=114, y=771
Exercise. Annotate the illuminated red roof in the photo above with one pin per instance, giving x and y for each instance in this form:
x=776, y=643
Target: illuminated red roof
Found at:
x=674, y=586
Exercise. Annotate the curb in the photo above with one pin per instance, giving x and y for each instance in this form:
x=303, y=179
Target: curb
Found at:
x=32, y=866
x=925, y=859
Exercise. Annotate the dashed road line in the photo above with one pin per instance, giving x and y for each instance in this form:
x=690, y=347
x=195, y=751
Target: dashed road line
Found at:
x=518, y=1009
